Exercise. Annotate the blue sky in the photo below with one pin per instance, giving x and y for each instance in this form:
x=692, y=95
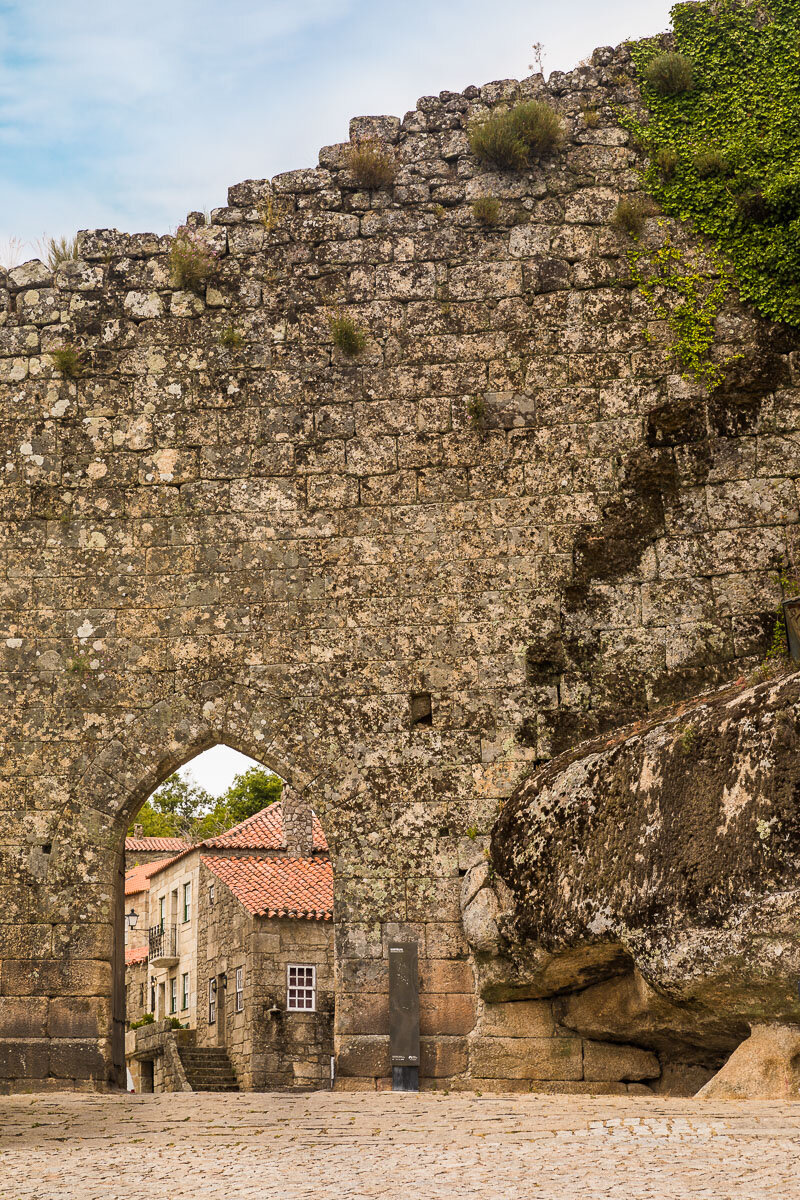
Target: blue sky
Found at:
x=131, y=114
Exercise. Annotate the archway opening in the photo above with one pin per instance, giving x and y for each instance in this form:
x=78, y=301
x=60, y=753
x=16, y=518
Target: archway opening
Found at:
x=224, y=947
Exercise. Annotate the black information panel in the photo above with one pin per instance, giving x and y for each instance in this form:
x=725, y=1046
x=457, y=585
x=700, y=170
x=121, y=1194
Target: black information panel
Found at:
x=404, y=1015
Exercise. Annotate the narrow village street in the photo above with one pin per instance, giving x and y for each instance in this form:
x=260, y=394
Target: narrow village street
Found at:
x=349, y=1146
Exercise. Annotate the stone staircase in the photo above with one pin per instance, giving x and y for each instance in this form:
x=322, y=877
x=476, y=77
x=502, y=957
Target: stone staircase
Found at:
x=208, y=1069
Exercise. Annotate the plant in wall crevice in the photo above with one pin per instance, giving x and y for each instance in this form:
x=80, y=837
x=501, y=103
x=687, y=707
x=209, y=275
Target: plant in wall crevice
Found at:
x=514, y=138
x=192, y=260
x=347, y=335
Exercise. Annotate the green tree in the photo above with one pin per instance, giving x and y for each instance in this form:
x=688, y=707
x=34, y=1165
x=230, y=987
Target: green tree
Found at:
x=174, y=808
x=249, y=793
x=181, y=808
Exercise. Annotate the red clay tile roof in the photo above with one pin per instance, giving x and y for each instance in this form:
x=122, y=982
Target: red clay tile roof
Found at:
x=142, y=844
x=138, y=878
x=264, y=831
x=136, y=954
x=278, y=887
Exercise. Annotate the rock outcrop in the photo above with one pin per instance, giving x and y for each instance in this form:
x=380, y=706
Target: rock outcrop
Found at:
x=765, y=1067
x=656, y=878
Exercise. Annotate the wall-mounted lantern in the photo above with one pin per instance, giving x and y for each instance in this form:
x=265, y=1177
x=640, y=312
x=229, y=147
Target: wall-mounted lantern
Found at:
x=131, y=919
x=791, y=616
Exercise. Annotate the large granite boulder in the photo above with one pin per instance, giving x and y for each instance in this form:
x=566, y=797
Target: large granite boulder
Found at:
x=765, y=1067
x=655, y=877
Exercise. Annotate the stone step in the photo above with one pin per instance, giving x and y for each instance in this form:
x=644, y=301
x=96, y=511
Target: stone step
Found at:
x=208, y=1069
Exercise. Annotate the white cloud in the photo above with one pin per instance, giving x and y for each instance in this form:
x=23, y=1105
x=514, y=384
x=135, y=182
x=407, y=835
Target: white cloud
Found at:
x=131, y=114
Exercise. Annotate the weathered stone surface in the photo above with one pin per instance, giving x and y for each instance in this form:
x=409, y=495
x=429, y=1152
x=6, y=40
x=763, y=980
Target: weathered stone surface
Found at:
x=766, y=1066
x=526, y=1058
x=606, y=1062
x=520, y=1018
x=674, y=850
x=627, y=1007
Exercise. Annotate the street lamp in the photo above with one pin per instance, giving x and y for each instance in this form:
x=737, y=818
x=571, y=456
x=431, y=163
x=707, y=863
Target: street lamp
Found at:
x=131, y=919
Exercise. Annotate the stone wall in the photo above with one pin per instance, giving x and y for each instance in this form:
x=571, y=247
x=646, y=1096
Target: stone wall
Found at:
x=278, y=547
x=137, y=991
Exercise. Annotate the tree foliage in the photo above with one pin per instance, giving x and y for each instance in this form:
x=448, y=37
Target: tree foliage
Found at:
x=182, y=808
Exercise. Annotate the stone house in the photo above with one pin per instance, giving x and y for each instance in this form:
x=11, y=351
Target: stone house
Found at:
x=266, y=974
x=212, y=901
x=140, y=849
x=137, y=904
x=137, y=994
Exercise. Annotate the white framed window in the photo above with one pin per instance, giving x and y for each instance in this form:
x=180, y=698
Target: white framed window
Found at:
x=239, y=989
x=184, y=991
x=301, y=988
x=173, y=994
x=212, y=1001
x=162, y=911
x=211, y=893
x=187, y=902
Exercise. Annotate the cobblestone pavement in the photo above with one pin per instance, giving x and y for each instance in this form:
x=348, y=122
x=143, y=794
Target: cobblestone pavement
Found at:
x=348, y=1146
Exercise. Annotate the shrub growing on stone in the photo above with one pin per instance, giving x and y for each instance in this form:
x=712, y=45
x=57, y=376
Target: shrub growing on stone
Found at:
x=629, y=217
x=58, y=250
x=231, y=338
x=372, y=164
x=752, y=205
x=710, y=162
x=477, y=413
x=512, y=140
x=191, y=259
x=347, y=336
x=67, y=361
x=666, y=159
x=486, y=210
x=670, y=74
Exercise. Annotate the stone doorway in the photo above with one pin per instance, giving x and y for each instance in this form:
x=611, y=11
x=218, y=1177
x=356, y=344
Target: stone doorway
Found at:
x=217, y=907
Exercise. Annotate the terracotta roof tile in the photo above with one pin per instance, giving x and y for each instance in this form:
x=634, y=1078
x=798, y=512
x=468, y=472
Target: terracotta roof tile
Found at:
x=142, y=844
x=138, y=878
x=264, y=831
x=278, y=887
x=136, y=954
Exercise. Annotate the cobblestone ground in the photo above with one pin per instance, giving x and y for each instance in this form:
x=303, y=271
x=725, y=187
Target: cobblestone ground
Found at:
x=348, y=1146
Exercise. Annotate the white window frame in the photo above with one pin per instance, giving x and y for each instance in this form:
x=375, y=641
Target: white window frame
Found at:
x=240, y=989
x=187, y=902
x=173, y=994
x=301, y=990
x=184, y=991
x=211, y=893
x=162, y=912
x=212, y=1001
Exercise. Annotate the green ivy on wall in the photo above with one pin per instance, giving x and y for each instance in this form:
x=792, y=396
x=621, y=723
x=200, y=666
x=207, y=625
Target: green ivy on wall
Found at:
x=725, y=155
x=688, y=300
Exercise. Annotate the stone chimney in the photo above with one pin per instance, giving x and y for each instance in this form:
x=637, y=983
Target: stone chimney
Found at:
x=138, y=831
x=296, y=824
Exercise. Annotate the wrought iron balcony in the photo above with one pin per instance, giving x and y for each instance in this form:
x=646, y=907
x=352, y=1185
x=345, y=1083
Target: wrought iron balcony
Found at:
x=163, y=946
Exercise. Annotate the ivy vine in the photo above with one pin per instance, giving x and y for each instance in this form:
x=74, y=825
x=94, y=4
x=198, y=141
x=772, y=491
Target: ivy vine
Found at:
x=725, y=155
x=688, y=300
